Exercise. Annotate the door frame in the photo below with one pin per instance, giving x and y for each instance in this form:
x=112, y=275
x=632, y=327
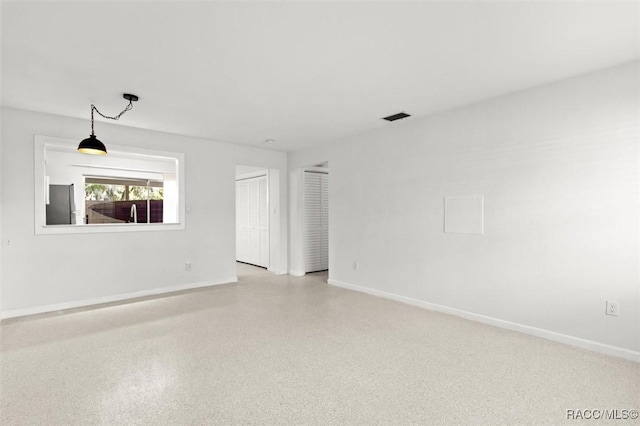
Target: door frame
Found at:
x=296, y=213
x=255, y=175
x=278, y=261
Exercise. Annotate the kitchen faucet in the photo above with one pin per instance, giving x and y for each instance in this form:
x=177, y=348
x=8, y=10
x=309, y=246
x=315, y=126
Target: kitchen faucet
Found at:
x=134, y=213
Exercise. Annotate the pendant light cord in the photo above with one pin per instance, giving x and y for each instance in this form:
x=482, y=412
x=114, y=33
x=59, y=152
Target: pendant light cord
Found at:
x=93, y=108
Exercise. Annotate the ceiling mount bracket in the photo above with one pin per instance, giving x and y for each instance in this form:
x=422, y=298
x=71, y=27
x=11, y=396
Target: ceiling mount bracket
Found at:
x=130, y=97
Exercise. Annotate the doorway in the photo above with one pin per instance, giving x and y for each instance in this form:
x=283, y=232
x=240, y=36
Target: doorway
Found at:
x=252, y=216
x=315, y=215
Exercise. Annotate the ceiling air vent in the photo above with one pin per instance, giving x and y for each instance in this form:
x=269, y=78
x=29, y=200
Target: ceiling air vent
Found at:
x=398, y=116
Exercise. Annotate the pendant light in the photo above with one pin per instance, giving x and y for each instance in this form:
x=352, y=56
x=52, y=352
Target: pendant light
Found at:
x=92, y=145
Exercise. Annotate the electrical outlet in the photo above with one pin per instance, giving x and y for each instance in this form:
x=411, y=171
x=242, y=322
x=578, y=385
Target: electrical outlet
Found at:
x=612, y=308
x=356, y=266
x=187, y=266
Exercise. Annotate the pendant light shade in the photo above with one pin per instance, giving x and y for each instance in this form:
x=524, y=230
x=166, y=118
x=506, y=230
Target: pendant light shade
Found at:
x=92, y=145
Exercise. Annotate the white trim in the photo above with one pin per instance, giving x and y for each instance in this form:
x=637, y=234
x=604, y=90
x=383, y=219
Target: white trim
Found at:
x=533, y=331
x=108, y=227
x=251, y=175
x=323, y=170
x=276, y=271
x=297, y=273
x=263, y=263
x=113, y=298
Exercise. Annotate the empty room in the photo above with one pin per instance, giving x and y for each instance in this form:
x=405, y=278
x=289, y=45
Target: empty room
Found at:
x=310, y=212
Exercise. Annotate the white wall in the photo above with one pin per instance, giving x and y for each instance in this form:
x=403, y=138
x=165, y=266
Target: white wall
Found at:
x=2, y=241
x=558, y=168
x=245, y=170
x=47, y=270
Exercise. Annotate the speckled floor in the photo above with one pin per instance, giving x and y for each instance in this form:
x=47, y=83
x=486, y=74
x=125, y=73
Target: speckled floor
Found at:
x=293, y=350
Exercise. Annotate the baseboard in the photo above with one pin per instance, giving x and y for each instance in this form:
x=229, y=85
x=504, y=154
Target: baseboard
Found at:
x=13, y=313
x=533, y=331
x=297, y=273
x=276, y=271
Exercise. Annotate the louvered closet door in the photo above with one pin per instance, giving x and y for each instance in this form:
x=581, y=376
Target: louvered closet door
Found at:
x=324, y=211
x=316, y=221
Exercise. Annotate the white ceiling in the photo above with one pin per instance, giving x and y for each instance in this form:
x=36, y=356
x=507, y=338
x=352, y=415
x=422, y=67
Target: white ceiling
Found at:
x=301, y=73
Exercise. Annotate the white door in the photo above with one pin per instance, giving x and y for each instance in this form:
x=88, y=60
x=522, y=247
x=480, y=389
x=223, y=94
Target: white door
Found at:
x=252, y=221
x=316, y=221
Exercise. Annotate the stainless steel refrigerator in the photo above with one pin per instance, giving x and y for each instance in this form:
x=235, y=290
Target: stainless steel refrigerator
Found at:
x=61, y=207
